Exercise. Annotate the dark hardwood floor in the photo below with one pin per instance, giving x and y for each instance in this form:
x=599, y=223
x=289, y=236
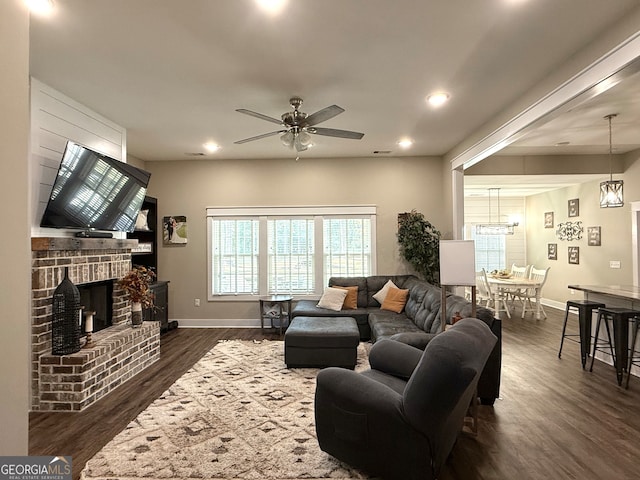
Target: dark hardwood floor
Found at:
x=553, y=420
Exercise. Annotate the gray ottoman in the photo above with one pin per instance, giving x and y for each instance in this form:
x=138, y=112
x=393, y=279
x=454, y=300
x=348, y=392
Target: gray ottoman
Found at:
x=321, y=342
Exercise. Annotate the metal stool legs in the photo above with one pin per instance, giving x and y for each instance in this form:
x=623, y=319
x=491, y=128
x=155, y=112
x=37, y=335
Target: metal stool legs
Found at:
x=596, y=341
x=633, y=360
x=585, y=310
x=620, y=350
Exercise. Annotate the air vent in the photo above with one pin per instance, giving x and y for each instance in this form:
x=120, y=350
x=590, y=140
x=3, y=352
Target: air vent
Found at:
x=194, y=154
x=381, y=152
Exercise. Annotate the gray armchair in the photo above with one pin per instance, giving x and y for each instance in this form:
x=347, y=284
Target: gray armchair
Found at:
x=401, y=418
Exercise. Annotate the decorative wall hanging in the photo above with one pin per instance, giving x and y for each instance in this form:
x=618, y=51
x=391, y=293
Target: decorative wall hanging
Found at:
x=593, y=236
x=552, y=251
x=570, y=231
x=574, y=255
x=573, y=207
x=548, y=220
x=174, y=230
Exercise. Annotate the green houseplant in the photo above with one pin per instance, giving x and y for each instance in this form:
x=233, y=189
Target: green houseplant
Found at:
x=136, y=285
x=420, y=245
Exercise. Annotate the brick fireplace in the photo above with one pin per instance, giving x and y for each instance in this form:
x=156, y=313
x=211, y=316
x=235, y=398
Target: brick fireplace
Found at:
x=73, y=382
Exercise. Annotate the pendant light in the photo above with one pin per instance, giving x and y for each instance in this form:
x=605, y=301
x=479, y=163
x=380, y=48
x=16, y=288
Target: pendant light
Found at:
x=496, y=228
x=611, y=190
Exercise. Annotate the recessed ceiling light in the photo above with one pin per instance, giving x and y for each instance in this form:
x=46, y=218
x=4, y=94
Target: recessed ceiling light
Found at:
x=405, y=142
x=438, y=99
x=211, y=147
x=272, y=7
x=40, y=7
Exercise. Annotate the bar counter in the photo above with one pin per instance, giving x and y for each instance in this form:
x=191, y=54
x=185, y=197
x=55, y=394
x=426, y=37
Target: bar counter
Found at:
x=625, y=296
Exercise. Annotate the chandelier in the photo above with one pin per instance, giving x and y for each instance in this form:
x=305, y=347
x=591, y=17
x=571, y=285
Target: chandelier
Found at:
x=611, y=190
x=495, y=228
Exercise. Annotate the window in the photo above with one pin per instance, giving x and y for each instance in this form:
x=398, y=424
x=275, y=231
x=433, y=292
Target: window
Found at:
x=490, y=251
x=260, y=251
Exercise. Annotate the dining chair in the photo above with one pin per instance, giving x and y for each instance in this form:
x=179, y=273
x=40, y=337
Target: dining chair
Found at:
x=485, y=293
x=517, y=272
x=528, y=294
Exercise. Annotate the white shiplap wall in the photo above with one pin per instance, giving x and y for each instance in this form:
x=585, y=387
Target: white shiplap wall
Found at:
x=476, y=210
x=55, y=119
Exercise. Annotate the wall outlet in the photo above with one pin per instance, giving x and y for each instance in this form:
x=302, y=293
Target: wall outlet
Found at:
x=196, y=302
x=614, y=263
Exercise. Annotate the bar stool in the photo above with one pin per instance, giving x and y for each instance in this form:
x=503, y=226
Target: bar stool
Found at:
x=585, y=312
x=619, y=349
x=634, y=355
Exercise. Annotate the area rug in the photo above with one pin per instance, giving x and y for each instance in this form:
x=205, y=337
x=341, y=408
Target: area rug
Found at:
x=237, y=414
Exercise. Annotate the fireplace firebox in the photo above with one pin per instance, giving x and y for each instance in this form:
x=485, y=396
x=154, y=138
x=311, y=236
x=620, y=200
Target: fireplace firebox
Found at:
x=97, y=297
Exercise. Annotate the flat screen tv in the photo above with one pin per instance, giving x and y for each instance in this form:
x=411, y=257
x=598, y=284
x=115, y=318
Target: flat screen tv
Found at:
x=95, y=192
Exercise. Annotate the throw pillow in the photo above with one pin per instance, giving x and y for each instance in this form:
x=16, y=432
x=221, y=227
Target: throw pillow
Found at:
x=395, y=300
x=351, y=300
x=332, y=298
x=141, y=221
x=382, y=293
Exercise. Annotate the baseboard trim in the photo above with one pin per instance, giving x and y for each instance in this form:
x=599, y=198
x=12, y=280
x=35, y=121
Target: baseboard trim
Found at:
x=218, y=323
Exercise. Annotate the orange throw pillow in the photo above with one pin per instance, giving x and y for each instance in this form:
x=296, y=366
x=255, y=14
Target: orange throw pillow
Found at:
x=395, y=300
x=351, y=300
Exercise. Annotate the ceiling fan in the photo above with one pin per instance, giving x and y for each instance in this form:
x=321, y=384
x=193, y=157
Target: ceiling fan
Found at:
x=298, y=125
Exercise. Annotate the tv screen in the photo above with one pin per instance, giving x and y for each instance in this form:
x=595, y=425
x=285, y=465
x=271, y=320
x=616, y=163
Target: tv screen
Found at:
x=95, y=192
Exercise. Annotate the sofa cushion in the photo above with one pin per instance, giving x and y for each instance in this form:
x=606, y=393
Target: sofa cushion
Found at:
x=376, y=282
x=332, y=299
x=351, y=300
x=395, y=300
x=384, y=323
x=360, y=282
x=381, y=294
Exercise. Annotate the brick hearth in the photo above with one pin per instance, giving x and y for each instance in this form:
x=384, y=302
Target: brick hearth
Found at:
x=73, y=382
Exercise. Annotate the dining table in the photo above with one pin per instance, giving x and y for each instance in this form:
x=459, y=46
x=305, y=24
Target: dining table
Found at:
x=500, y=284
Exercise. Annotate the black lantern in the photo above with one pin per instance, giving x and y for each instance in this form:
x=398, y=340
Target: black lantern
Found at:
x=65, y=335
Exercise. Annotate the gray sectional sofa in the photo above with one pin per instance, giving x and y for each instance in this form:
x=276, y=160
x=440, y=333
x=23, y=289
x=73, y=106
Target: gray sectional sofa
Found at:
x=417, y=324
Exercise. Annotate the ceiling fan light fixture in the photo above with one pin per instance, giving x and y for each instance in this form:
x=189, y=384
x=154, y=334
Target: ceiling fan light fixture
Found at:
x=304, y=138
x=437, y=99
x=287, y=139
x=611, y=195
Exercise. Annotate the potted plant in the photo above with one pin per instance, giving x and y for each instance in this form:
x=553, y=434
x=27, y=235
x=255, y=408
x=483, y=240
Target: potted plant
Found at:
x=420, y=245
x=136, y=285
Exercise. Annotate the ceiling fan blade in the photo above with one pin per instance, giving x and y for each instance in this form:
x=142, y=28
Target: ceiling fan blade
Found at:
x=258, y=137
x=333, y=132
x=322, y=115
x=259, y=115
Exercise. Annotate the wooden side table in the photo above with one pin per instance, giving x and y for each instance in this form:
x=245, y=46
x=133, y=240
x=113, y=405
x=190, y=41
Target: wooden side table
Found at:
x=274, y=307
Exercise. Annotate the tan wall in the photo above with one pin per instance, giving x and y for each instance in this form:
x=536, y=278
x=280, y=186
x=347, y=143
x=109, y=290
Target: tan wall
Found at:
x=615, y=226
x=394, y=185
x=14, y=195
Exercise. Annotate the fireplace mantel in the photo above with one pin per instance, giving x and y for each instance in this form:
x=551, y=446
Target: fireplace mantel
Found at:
x=68, y=243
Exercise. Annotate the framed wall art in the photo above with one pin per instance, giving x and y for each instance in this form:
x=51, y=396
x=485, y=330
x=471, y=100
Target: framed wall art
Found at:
x=552, y=251
x=574, y=255
x=593, y=236
x=548, y=220
x=573, y=206
x=174, y=230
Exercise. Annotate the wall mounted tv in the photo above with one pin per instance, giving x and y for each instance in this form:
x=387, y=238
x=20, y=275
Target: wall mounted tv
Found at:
x=94, y=192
